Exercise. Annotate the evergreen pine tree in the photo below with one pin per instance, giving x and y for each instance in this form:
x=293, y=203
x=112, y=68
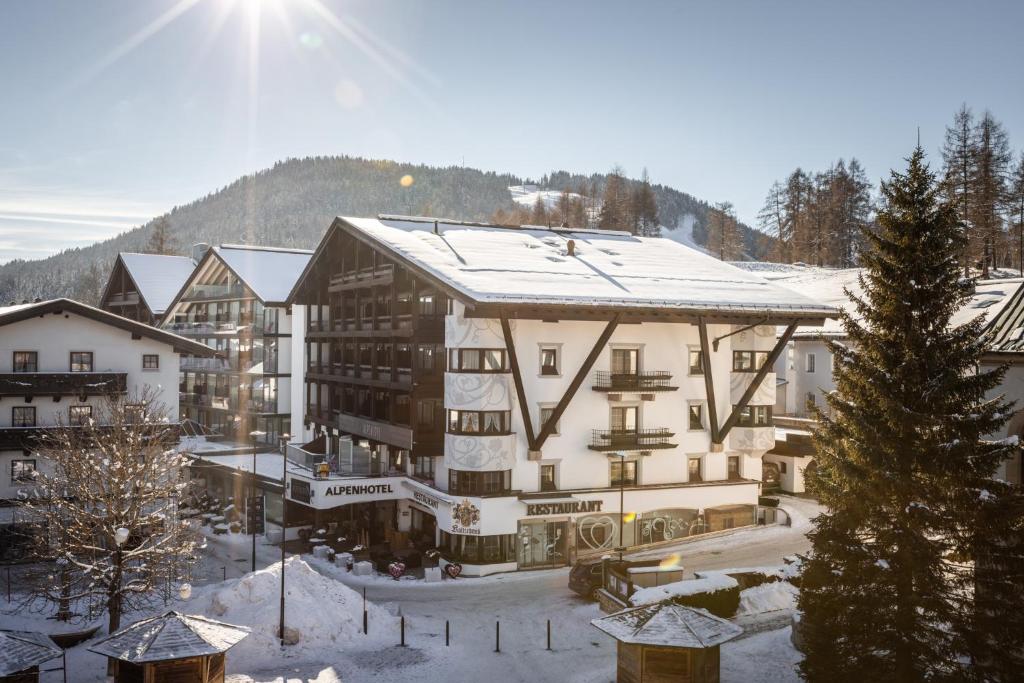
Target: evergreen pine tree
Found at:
x=1015, y=210
x=905, y=472
x=615, y=202
x=539, y=215
x=160, y=240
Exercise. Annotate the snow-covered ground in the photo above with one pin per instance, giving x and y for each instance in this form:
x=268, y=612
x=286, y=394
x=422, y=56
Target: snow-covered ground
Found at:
x=324, y=603
x=527, y=195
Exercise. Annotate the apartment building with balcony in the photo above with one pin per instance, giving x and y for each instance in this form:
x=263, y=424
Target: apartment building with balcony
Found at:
x=59, y=360
x=141, y=286
x=517, y=395
x=234, y=303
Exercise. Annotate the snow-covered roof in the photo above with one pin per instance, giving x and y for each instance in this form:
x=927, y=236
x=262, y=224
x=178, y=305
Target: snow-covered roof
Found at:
x=488, y=264
x=158, y=277
x=19, y=312
x=1006, y=326
x=21, y=650
x=269, y=272
x=828, y=285
x=668, y=625
x=170, y=636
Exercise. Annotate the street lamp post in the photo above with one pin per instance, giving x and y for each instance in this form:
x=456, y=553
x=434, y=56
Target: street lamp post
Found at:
x=284, y=526
x=250, y=508
x=622, y=503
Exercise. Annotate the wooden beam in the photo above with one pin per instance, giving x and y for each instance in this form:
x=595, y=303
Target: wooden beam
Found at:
x=709, y=384
x=517, y=378
x=769, y=363
x=581, y=374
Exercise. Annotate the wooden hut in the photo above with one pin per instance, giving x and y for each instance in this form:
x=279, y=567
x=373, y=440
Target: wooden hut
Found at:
x=667, y=643
x=170, y=648
x=21, y=653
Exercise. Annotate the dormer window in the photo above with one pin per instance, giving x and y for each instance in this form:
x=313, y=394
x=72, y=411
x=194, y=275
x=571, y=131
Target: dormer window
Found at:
x=26, y=361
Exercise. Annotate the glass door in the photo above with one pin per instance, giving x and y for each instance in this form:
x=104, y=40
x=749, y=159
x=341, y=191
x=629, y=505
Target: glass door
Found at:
x=542, y=544
x=625, y=361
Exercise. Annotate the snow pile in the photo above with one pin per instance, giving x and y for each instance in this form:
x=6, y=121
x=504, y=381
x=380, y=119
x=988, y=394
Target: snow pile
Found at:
x=768, y=597
x=321, y=615
x=708, y=584
x=784, y=572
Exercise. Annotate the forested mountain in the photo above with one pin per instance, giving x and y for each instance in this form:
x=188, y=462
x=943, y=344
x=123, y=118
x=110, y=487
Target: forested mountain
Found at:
x=292, y=203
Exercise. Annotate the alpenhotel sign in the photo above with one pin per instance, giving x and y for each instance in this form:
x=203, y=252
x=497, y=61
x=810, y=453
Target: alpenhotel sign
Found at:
x=568, y=507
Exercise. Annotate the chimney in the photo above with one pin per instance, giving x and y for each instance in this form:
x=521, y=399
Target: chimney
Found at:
x=436, y=232
x=199, y=249
x=570, y=247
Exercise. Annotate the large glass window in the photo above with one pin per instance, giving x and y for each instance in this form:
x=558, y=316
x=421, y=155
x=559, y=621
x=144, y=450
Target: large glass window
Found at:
x=479, y=421
x=23, y=416
x=755, y=416
x=477, y=360
x=623, y=473
x=478, y=549
x=542, y=544
x=26, y=361
x=466, y=483
x=81, y=361
x=423, y=468
x=625, y=361
x=748, y=361
x=624, y=419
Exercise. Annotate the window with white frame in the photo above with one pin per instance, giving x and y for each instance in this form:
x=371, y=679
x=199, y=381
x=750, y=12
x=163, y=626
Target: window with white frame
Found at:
x=810, y=362
x=695, y=364
x=23, y=416
x=546, y=411
x=550, y=363
x=695, y=418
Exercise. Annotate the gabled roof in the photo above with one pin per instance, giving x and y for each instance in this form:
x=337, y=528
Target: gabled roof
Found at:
x=19, y=312
x=1006, y=327
x=668, y=625
x=157, y=277
x=829, y=285
x=171, y=635
x=269, y=272
x=21, y=650
x=482, y=264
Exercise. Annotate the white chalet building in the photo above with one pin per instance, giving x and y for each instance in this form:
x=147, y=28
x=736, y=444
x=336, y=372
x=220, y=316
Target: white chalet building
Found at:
x=58, y=360
x=516, y=395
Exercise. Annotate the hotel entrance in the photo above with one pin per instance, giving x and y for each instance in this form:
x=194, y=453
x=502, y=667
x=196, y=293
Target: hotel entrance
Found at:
x=542, y=544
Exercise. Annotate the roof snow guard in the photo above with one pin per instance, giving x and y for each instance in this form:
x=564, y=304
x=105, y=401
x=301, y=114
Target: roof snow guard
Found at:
x=172, y=635
x=668, y=625
x=22, y=650
x=503, y=267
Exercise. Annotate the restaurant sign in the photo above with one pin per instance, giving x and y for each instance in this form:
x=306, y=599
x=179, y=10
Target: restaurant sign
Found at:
x=569, y=507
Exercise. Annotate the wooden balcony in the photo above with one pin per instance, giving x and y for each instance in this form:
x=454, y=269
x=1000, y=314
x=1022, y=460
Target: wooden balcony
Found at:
x=656, y=380
x=63, y=383
x=609, y=440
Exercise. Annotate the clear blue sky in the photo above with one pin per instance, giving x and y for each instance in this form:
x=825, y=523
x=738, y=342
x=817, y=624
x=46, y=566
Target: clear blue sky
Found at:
x=114, y=111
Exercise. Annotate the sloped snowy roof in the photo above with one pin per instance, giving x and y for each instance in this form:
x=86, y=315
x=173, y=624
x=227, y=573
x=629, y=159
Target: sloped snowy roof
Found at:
x=170, y=636
x=158, y=277
x=487, y=264
x=827, y=286
x=269, y=272
x=668, y=625
x=21, y=650
x=1006, y=326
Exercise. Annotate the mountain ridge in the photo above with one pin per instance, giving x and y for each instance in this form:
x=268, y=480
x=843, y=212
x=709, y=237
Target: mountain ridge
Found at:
x=291, y=204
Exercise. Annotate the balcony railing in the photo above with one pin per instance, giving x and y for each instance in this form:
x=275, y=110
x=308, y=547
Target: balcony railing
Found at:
x=205, y=292
x=605, y=440
x=657, y=380
x=63, y=383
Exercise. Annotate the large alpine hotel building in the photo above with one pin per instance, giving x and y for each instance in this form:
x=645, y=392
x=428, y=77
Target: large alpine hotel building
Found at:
x=510, y=392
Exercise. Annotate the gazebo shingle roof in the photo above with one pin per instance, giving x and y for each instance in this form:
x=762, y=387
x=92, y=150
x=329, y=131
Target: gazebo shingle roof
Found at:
x=170, y=636
x=21, y=650
x=668, y=625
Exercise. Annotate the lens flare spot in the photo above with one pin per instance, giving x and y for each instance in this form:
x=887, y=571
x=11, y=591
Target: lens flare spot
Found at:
x=348, y=94
x=310, y=41
x=670, y=562
x=629, y=517
x=406, y=181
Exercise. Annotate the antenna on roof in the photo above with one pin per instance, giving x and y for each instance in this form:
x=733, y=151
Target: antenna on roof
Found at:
x=435, y=229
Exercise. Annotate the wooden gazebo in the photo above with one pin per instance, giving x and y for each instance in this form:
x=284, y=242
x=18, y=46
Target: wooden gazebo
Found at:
x=667, y=643
x=170, y=648
x=21, y=653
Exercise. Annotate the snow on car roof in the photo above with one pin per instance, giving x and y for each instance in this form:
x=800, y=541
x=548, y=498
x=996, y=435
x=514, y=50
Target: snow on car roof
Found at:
x=158, y=277
x=269, y=272
x=532, y=265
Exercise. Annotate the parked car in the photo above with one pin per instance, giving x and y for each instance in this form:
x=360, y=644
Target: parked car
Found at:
x=585, y=578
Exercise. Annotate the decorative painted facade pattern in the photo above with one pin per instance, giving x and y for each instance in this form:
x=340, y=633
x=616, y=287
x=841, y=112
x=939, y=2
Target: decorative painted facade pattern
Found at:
x=484, y=453
x=473, y=391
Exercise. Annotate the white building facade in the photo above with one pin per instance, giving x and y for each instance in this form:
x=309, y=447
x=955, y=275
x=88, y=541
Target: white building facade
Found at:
x=59, y=360
x=578, y=391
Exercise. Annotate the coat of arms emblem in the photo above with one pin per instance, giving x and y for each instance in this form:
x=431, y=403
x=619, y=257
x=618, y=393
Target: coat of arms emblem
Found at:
x=466, y=514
